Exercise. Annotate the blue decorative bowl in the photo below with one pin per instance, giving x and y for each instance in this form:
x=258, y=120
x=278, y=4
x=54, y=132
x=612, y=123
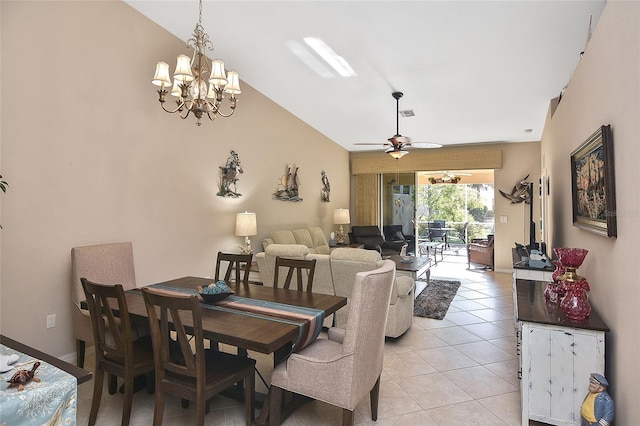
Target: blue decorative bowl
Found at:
x=213, y=297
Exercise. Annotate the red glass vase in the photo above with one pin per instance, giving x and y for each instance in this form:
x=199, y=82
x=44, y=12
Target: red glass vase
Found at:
x=555, y=290
x=575, y=303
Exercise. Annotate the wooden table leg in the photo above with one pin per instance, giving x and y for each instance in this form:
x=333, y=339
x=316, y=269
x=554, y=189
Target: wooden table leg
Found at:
x=279, y=356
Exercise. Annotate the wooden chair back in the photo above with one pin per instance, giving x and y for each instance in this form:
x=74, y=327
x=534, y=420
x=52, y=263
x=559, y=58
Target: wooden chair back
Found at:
x=238, y=263
x=116, y=351
x=295, y=265
x=184, y=368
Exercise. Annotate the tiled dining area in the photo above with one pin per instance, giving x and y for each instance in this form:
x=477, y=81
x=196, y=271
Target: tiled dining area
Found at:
x=458, y=371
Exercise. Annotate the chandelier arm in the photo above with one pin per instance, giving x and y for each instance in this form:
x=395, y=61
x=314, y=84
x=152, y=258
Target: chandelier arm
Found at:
x=225, y=115
x=186, y=115
x=180, y=107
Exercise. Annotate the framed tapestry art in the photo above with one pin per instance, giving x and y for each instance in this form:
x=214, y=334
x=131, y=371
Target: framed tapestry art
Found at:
x=593, y=184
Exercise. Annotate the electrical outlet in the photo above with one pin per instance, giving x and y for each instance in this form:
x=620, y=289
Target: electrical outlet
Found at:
x=51, y=321
x=503, y=219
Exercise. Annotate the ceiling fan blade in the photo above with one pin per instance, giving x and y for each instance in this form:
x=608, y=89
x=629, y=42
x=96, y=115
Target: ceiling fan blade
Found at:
x=426, y=145
x=372, y=143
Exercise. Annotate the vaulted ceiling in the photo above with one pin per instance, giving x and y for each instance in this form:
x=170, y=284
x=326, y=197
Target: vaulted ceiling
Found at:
x=471, y=71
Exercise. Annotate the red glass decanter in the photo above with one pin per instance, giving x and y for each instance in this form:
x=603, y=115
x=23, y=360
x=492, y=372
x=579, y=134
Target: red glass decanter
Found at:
x=575, y=304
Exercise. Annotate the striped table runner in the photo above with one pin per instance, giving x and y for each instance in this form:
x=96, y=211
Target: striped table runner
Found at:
x=308, y=320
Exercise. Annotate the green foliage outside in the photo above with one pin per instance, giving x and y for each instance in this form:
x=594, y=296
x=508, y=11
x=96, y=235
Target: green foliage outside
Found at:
x=447, y=202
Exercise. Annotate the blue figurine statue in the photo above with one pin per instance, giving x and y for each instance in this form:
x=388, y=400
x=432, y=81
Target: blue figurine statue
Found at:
x=597, y=407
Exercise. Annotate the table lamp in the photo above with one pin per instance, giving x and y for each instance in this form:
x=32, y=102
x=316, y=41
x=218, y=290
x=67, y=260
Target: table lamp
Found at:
x=246, y=226
x=341, y=217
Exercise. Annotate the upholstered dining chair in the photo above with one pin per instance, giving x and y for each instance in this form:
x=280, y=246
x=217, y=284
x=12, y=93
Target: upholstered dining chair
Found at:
x=238, y=263
x=116, y=351
x=103, y=263
x=297, y=266
x=342, y=369
x=200, y=374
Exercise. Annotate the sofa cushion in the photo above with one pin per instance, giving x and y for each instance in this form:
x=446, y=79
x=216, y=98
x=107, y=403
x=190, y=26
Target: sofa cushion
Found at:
x=302, y=236
x=313, y=238
x=283, y=237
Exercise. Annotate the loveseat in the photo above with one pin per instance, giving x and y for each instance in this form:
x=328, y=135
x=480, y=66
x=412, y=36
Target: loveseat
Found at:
x=335, y=274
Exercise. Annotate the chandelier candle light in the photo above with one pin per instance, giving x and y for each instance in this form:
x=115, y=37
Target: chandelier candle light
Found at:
x=246, y=226
x=341, y=217
x=190, y=86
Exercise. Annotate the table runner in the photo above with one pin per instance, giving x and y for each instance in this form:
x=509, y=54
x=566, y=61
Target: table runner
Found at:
x=308, y=320
x=52, y=401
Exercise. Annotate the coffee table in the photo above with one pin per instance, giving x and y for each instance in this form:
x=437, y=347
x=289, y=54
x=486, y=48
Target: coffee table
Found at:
x=415, y=269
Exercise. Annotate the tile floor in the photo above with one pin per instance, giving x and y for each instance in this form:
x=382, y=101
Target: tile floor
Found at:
x=458, y=371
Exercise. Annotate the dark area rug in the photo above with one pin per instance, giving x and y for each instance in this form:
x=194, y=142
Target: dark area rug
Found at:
x=434, y=300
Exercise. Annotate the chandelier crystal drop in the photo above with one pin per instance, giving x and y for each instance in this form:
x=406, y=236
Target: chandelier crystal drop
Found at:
x=197, y=88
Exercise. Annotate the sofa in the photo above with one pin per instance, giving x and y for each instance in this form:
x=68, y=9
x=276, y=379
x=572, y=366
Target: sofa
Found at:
x=313, y=238
x=372, y=239
x=394, y=233
x=335, y=274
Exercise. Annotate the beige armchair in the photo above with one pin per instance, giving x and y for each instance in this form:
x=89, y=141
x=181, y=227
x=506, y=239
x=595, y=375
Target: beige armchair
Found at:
x=342, y=369
x=346, y=263
x=103, y=263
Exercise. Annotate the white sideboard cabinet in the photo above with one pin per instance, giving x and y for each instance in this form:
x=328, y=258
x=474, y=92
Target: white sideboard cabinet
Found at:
x=557, y=356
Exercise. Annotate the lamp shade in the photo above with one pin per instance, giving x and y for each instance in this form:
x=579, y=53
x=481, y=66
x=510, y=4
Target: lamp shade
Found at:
x=183, y=69
x=218, y=76
x=161, y=77
x=246, y=224
x=234, y=83
x=341, y=217
x=397, y=154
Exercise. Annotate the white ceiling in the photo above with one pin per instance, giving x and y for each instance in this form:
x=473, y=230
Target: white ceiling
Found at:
x=472, y=71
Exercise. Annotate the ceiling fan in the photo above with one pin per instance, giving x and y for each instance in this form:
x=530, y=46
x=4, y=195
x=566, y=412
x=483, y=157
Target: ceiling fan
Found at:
x=445, y=176
x=396, y=144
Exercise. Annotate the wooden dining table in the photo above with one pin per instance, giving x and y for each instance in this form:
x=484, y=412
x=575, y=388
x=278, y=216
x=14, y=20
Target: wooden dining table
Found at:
x=247, y=332
x=244, y=331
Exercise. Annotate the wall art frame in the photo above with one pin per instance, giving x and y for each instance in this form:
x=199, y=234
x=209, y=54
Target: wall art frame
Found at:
x=593, y=184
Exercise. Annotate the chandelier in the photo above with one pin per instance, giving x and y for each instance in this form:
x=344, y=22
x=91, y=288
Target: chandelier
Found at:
x=193, y=91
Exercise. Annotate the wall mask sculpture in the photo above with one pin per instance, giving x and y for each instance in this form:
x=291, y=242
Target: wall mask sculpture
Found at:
x=289, y=183
x=229, y=177
x=325, y=195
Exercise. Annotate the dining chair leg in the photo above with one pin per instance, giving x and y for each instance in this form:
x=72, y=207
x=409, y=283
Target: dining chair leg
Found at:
x=374, y=397
x=250, y=398
x=80, y=345
x=113, y=383
x=127, y=399
x=274, y=405
x=98, y=383
x=201, y=409
x=347, y=417
x=158, y=411
x=151, y=382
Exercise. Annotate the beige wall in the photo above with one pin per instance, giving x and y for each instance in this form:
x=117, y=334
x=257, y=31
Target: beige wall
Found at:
x=92, y=158
x=605, y=89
